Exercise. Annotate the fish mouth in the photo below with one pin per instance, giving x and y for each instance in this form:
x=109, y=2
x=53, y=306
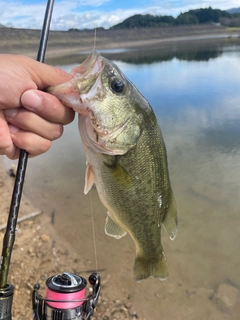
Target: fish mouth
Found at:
x=82, y=88
x=87, y=65
x=88, y=72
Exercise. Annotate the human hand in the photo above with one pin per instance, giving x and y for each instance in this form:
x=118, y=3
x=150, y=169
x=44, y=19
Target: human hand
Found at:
x=30, y=119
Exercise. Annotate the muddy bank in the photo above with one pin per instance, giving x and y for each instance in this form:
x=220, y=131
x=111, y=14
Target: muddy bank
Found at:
x=39, y=253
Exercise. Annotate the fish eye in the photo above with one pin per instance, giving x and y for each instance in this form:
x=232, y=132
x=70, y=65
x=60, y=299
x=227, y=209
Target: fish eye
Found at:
x=117, y=85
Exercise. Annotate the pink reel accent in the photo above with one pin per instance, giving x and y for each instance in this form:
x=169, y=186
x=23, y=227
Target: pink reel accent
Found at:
x=65, y=296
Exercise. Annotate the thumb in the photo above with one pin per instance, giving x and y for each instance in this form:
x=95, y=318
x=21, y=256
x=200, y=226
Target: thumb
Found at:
x=45, y=75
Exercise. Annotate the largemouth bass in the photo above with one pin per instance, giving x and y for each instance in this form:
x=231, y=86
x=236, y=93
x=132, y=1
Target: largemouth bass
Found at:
x=126, y=159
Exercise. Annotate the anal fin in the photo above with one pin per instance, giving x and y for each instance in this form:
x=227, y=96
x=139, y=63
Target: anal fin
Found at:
x=113, y=230
x=170, y=221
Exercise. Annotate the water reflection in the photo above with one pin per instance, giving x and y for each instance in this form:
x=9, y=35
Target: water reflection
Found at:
x=188, y=51
x=224, y=138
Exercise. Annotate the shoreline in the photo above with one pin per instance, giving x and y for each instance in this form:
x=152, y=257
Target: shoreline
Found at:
x=63, y=43
x=63, y=52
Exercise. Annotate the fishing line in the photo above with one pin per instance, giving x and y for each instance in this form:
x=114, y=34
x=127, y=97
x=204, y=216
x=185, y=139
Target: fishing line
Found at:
x=95, y=39
x=93, y=231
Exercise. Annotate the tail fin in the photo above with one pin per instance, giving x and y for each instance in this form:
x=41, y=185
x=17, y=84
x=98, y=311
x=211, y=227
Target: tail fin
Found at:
x=153, y=267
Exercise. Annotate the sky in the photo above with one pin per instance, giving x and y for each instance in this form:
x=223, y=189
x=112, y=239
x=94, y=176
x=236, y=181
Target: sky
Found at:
x=90, y=14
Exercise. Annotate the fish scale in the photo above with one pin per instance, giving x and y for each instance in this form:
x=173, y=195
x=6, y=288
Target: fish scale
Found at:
x=126, y=159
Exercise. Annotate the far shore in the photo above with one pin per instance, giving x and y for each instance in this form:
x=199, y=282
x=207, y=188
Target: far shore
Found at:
x=64, y=43
x=64, y=51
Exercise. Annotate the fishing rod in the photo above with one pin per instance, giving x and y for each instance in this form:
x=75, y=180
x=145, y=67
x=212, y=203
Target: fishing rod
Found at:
x=65, y=293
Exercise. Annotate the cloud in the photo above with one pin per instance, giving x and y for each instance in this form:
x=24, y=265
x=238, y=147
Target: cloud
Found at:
x=92, y=19
x=94, y=13
x=66, y=14
x=93, y=3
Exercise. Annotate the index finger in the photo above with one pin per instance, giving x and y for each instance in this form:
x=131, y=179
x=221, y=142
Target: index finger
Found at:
x=47, y=106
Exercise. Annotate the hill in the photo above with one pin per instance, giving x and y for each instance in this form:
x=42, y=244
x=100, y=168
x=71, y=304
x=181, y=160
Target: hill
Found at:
x=234, y=10
x=191, y=17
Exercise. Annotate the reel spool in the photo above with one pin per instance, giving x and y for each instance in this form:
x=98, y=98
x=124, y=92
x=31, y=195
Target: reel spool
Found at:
x=65, y=298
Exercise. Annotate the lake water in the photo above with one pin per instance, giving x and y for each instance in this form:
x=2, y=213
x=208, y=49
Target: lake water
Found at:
x=194, y=88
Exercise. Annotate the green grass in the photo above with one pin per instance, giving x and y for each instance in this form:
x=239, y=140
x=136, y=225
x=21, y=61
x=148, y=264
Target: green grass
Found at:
x=233, y=29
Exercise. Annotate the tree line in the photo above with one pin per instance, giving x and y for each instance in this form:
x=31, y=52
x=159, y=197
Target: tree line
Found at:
x=198, y=16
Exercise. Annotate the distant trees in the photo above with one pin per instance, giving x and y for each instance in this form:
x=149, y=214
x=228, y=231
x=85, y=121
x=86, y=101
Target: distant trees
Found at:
x=143, y=21
x=202, y=16
x=197, y=16
x=73, y=29
x=185, y=18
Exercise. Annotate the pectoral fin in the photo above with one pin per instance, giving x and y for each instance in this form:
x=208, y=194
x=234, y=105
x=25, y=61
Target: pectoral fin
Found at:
x=89, y=179
x=170, y=221
x=113, y=230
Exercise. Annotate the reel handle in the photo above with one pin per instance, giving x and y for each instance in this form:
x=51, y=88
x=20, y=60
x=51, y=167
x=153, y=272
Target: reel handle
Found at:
x=94, y=280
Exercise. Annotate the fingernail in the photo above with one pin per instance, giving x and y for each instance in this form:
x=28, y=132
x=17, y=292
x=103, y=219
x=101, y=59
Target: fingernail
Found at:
x=13, y=129
x=30, y=99
x=10, y=113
